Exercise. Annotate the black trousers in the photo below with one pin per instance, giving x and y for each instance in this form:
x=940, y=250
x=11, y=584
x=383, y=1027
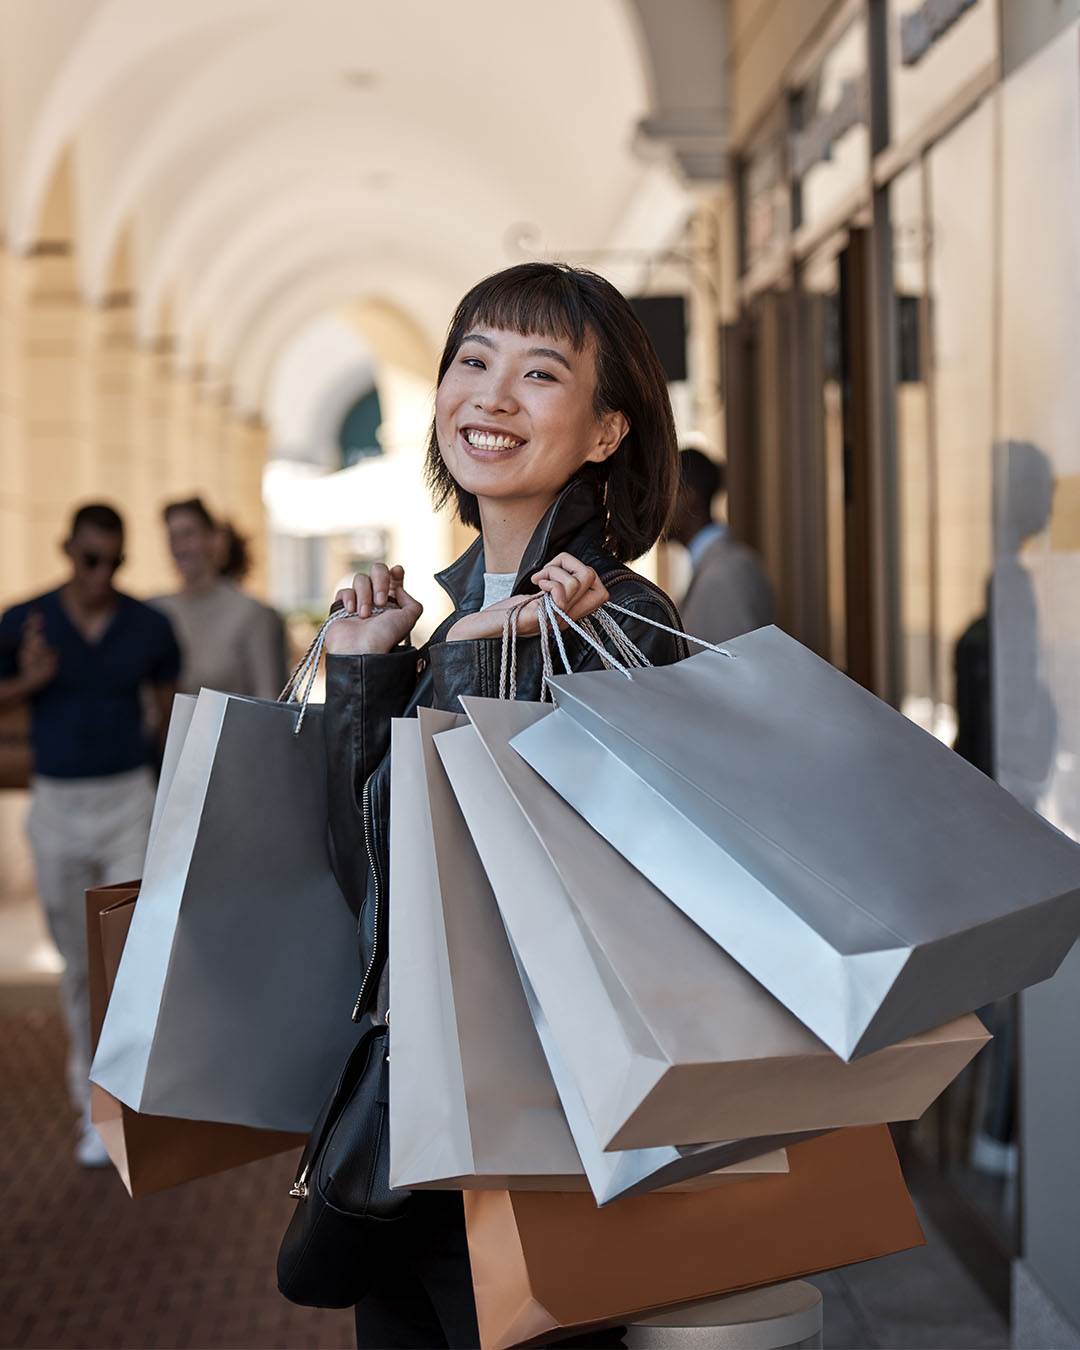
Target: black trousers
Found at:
x=422, y=1295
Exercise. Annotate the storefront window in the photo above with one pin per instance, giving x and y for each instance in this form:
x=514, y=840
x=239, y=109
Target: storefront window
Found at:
x=942, y=212
x=830, y=143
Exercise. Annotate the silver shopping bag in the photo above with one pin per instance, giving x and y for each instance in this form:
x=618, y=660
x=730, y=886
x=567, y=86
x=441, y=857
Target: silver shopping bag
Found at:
x=666, y=1038
x=472, y=1101
x=866, y=875
x=232, y=1001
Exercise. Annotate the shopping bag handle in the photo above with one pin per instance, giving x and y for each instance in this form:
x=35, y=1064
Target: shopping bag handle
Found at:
x=301, y=682
x=632, y=657
x=593, y=630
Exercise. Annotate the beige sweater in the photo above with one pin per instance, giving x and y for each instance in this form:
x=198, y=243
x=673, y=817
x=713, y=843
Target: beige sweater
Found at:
x=729, y=594
x=229, y=641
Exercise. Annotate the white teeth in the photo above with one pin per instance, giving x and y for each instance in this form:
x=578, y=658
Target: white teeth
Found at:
x=485, y=440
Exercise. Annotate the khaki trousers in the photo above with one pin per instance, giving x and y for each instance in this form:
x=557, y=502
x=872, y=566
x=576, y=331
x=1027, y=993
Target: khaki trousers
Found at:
x=84, y=832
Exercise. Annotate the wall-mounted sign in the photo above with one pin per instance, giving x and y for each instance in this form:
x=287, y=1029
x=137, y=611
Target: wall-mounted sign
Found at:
x=936, y=47
x=815, y=142
x=920, y=29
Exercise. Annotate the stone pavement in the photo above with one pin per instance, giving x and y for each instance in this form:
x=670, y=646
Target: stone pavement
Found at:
x=84, y=1267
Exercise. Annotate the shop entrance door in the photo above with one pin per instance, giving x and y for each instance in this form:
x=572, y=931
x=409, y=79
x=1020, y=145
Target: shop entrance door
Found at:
x=798, y=420
x=835, y=445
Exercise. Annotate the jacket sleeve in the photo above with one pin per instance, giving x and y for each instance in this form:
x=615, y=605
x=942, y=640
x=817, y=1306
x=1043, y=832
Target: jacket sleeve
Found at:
x=363, y=693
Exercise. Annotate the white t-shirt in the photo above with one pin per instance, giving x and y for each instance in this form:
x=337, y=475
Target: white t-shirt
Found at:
x=498, y=586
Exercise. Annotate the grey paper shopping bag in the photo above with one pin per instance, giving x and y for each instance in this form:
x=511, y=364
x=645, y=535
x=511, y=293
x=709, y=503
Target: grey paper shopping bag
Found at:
x=667, y=1038
x=872, y=880
x=232, y=1002
x=183, y=709
x=472, y=1101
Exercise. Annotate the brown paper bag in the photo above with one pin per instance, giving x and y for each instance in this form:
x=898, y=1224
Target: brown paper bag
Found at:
x=543, y=1263
x=154, y=1152
x=16, y=759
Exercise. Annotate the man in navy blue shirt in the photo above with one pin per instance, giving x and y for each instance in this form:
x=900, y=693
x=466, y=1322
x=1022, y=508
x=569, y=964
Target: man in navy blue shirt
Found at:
x=83, y=656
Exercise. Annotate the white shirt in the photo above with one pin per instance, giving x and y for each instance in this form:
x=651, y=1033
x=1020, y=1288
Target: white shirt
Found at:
x=498, y=586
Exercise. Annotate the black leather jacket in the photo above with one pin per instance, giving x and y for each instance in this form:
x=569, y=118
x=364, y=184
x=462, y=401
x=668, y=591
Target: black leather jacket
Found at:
x=363, y=693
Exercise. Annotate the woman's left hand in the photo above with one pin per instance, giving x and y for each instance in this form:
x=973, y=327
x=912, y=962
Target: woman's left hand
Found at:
x=575, y=588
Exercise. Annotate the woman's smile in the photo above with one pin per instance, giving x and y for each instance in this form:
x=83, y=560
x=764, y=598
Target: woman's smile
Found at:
x=488, y=444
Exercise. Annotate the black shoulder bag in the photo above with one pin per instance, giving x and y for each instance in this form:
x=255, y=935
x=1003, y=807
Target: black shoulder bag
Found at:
x=343, y=1185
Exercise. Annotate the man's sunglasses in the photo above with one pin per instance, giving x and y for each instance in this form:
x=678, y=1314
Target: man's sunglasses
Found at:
x=93, y=560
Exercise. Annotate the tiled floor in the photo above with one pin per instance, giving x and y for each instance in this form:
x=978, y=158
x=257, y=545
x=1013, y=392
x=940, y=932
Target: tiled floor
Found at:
x=83, y=1266
x=918, y=1300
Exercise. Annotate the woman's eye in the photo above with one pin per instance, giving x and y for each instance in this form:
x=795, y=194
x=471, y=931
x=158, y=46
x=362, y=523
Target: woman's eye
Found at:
x=541, y=375
x=473, y=361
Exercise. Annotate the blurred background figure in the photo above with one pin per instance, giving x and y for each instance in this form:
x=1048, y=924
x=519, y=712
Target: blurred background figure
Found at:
x=229, y=640
x=729, y=592
x=81, y=655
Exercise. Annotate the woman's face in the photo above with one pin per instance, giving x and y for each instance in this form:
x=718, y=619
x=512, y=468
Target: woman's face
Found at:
x=515, y=418
x=191, y=544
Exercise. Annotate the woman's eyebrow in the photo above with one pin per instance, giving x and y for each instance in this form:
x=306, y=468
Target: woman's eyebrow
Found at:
x=478, y=337
x=551, y=354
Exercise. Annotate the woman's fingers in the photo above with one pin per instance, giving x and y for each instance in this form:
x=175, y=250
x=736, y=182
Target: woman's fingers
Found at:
x=590, y=599
x=362, y=589
x=368, y=591
x=573, y=585
x=560, y=584
x=380, y=583
x=410, y=607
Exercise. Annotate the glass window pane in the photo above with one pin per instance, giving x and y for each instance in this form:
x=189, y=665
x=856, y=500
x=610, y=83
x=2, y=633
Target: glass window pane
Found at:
x=910, y=234
x=961, y=309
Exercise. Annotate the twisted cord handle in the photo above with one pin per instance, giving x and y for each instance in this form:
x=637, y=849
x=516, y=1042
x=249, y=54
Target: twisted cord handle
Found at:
x=301, y=682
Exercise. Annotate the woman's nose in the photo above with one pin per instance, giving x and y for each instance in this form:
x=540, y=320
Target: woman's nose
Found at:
x=496, y=396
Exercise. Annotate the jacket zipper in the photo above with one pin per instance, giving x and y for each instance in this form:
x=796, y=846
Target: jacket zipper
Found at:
x=369, y=845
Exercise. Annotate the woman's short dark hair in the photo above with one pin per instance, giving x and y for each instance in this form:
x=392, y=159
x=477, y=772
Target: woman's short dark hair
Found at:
x=635, y=486
x=194, y=506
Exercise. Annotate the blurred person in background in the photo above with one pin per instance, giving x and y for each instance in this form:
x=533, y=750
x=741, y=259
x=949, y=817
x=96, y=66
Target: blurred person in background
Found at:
x=228, y=639
x=234, y=564
x=729, y=592
x=82, y=656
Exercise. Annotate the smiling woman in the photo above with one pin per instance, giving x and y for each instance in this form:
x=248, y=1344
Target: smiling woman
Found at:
x=553, y=436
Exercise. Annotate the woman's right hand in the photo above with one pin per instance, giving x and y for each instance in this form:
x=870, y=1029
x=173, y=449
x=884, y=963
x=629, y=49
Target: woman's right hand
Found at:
x=385, y=613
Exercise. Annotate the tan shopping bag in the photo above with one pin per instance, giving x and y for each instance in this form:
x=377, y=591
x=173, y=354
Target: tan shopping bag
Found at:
x=154, y=1152
x=547, y=1263
x=667, y=1038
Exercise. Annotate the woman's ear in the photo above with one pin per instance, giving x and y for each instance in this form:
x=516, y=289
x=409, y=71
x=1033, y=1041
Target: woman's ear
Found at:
x=613, y=428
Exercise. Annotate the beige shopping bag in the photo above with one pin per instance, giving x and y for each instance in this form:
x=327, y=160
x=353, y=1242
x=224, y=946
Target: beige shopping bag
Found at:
x=666, y=1037
x=472, y=1101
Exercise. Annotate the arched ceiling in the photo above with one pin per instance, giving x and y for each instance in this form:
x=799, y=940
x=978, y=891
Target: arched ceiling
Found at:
x=264, y=158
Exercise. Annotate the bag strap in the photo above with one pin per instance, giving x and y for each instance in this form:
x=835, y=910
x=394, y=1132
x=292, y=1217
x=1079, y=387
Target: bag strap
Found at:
x=301, y=682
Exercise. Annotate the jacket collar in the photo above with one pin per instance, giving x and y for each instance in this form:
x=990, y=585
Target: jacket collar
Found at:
x=573, y=512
